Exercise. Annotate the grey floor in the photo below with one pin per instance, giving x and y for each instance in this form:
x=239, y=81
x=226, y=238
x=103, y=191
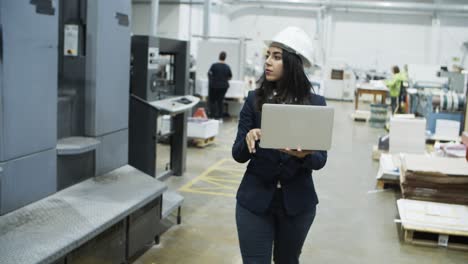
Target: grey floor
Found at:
x=354, y=224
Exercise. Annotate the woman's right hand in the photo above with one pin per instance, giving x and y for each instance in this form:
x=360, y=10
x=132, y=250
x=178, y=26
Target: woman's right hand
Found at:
x=251, y=137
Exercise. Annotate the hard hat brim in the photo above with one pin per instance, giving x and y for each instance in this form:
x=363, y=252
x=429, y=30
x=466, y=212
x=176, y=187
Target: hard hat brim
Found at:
x=306, y=62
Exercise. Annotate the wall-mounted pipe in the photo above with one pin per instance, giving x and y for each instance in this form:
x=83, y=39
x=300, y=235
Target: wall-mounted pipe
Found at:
x=154, y=17
x=363, y=5
x=436, y=7
x=282, y=11
x=206, y=18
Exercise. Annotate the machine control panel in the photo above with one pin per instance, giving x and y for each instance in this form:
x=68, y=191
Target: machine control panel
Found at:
x=176, y=104
x=70, y=45
x=153, y=58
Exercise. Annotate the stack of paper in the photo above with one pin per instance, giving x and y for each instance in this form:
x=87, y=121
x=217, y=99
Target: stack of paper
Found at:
x=407, y=135
x=447, y=129
x=389, y=167
x=237, y=89
x=454, y=150
x=438, y=217
x=202, y=128
x=437, y=179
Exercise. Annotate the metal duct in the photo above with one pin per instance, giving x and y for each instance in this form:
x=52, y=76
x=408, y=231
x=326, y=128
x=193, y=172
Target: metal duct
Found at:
x=436, y=7
x=385, y=5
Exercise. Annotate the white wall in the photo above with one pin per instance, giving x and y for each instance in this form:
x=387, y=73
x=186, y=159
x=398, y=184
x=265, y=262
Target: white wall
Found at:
x=169, y=20
x=380, y=40
x=365, y=40
x=454, y=31
x=219, y=25
x=141, y=16
x=260, y=24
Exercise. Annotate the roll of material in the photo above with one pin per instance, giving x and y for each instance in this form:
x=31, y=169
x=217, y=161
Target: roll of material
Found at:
x=455, y=102
x=461, y=102
x=449, y=105
x=449, y=101
x=443, y=101
x=436, y=101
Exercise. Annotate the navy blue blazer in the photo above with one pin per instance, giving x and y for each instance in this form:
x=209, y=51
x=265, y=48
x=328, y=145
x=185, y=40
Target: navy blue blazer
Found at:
x=267, y=167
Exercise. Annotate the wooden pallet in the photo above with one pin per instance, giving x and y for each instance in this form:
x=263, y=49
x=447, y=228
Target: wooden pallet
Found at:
x=376, y=152
x=387, y=184
x=203, y=142
x=361, y=116
x=423, y=238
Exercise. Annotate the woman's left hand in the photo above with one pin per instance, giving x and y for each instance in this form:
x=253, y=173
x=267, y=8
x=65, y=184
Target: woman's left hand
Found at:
x=299, y=153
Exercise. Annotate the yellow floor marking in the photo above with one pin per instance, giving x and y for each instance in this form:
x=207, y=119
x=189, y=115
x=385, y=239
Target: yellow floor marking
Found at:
x=231, y=130
x=211, y=179
x=223, y=178
x=210, y=193
x=209, y=188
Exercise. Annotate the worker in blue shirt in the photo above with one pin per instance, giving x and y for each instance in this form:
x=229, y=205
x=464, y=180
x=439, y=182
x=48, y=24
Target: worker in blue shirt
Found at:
x=276, y=200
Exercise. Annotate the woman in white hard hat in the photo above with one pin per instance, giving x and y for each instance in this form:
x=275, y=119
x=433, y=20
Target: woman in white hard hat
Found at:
x=276, y=199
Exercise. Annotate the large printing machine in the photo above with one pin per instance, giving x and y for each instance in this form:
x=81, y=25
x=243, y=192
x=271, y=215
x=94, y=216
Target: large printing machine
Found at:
x=436, y=94
x=67, y=191
x=159, y=86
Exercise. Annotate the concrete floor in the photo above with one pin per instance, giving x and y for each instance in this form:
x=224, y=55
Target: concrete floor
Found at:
x=353, y=224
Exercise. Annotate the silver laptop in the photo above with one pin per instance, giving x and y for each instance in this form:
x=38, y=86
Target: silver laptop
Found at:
x=290, y=126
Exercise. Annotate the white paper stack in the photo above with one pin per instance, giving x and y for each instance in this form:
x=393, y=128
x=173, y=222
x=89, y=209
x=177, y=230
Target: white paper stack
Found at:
x=389, y=167
x=407, y=135
x=361, y=114
x=202, y=128
x=422, y=164
x=237, y=89
x=447, y=129
x=201, y=87
x=435, y=217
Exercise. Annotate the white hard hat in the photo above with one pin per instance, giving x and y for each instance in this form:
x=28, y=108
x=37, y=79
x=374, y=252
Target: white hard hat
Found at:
x=295, y=40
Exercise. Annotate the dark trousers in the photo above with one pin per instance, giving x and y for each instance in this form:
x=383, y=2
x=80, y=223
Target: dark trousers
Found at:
x=259, y=232
x=216, y=102
x=394, y=103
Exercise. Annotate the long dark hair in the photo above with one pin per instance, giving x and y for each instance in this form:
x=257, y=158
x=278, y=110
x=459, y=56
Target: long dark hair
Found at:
x=292, y=88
